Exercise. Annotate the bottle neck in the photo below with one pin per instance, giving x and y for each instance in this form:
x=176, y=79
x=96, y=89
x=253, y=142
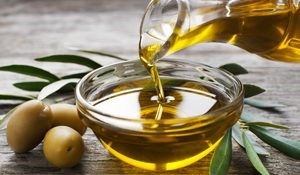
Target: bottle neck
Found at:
x=163, y=21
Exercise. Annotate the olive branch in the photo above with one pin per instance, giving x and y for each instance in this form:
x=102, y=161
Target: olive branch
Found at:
x=63, y=86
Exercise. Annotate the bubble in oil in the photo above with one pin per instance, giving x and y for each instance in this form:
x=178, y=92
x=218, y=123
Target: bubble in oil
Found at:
x=168, y=99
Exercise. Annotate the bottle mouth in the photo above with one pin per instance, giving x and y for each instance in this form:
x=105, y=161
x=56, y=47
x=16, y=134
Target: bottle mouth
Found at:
x=162, y=22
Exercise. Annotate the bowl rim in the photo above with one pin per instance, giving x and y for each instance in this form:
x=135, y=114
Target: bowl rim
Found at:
x=81, y=102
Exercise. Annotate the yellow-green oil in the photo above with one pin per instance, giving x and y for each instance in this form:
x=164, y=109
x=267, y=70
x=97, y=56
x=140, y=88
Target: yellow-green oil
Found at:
x=272, y=32
x=161, y=144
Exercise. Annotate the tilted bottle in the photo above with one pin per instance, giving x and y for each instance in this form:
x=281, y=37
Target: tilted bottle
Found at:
x=269, y=28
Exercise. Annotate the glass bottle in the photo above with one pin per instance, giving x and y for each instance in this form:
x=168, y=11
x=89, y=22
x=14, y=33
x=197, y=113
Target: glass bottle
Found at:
x=269, y=28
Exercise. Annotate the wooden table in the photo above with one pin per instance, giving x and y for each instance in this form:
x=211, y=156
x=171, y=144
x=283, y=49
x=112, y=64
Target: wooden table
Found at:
x=35, y=28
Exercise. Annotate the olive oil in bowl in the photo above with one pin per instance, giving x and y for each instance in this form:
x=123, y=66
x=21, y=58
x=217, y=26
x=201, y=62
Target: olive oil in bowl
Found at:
x=121, y=105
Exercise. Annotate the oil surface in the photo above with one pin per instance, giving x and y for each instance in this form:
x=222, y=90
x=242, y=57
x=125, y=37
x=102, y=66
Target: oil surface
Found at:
x=165, y=145
x=183, y=99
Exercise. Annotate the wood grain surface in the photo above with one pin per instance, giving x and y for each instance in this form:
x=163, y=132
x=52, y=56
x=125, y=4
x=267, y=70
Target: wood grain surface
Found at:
x=35, y=28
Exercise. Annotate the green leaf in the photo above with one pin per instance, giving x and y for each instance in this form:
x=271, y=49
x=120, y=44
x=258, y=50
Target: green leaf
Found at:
x=65, y=99
x=220, y=161
x=267, y=124
x=4, y=119
x=234, y=68
x=262, y=104
x=101, y=53
x=237, y=136
x=252, y=90
x=76, y=75
x=54, y=87
x=251, y=119
x=71, y=59
x=14, y=96
x=285, y=145
x=253, y=157
x=31, y=71
x=31, y=85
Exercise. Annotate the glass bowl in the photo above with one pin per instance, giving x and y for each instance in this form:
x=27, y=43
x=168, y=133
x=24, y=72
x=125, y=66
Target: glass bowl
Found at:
x=119, y=103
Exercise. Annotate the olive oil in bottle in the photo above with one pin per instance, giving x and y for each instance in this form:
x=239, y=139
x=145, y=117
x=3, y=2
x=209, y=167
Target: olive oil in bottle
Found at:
x=270, y=29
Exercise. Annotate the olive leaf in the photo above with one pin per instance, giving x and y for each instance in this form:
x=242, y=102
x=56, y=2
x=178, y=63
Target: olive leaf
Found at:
x=253, y=157
x=220, y=161
x=266, y=124
x=54, y=87
x=31, y=85
x=262, y=104
x=14, y=96
x=100, y=53
x=71, y=59
x=286, y=146
x=237, y=136
x=31, y=71
x=234, y=68
x=251, y=119
x=65, y=99
x=252, y=90
x=75, y=75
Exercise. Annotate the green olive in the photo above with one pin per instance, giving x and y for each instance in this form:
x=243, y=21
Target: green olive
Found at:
x=28, y=125
x=63, y=147
x=67, y=115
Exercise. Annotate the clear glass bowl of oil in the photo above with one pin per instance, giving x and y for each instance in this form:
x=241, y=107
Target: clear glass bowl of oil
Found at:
x=120, y=104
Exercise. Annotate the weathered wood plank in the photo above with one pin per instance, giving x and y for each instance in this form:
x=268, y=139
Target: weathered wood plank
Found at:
x=35, y=28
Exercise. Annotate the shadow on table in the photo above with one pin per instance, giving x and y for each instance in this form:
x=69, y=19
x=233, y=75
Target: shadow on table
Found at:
x=115, y=166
